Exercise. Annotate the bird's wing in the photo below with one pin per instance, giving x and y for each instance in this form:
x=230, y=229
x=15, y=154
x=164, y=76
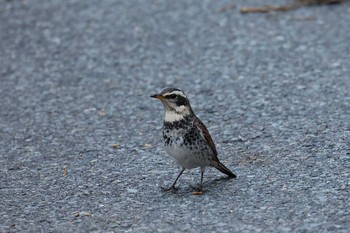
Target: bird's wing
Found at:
x=205, y=134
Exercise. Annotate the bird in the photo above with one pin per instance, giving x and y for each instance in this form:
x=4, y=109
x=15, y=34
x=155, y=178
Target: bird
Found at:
x=186, y=138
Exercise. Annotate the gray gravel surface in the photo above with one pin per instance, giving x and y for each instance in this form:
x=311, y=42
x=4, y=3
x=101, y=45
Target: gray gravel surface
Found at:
x=75, y=79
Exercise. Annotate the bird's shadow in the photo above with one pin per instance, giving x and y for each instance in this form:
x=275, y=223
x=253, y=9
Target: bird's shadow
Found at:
x=213, y=184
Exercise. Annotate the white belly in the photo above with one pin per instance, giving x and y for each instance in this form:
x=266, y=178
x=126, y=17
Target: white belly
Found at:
x=185, y=157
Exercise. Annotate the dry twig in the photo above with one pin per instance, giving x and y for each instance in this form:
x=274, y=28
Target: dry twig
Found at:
x=296, y=4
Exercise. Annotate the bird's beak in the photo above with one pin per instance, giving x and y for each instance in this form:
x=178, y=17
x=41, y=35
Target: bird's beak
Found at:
x=157, y=96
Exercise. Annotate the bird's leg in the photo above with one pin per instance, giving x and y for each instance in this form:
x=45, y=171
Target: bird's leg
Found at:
x=173, y=186
x=199, y=190
x=201, y=184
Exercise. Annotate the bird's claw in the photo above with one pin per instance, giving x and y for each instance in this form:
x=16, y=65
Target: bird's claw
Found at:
x=198, y=190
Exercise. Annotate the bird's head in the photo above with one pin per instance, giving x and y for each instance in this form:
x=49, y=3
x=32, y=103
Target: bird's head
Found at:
x=176, y=104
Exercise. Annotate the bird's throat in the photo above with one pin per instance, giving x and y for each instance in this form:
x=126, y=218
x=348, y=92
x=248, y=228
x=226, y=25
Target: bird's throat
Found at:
x=172, y=116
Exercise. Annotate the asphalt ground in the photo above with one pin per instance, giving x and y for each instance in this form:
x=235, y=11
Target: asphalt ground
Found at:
x=80, y=138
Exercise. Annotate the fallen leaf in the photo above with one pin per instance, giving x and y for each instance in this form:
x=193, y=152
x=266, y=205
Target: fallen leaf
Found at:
x=82, y=214
x=116, y=145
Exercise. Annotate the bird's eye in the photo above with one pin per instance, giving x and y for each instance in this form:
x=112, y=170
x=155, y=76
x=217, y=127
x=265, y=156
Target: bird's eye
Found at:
x=172, y=96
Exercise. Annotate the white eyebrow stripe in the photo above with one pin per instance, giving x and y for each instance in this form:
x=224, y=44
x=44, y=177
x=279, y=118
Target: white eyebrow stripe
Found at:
x=176, y=93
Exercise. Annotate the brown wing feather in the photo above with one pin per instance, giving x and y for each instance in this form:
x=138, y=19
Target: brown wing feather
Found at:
x=207, y=136
x=210, y=141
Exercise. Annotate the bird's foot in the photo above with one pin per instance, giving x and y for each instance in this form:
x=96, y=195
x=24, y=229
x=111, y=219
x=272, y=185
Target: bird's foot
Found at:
x=198, y=190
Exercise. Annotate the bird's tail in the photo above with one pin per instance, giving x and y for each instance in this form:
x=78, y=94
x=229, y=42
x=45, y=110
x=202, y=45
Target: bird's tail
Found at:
x=225, y=170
